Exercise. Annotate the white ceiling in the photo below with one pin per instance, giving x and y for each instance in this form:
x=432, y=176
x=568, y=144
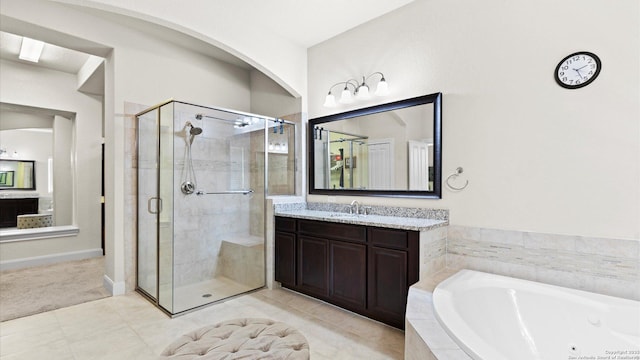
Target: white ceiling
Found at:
x=305, y=23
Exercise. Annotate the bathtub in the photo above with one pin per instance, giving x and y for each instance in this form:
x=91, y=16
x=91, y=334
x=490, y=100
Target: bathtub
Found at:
x=493, y=317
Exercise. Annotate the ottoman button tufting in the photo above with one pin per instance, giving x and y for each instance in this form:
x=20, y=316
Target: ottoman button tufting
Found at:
x=227, y=335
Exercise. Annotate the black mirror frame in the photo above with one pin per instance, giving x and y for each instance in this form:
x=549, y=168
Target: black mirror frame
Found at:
x=33, y=175
x=435, y=99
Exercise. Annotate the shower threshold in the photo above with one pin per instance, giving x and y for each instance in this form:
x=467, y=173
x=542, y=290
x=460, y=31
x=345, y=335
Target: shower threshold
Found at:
x=196, y=295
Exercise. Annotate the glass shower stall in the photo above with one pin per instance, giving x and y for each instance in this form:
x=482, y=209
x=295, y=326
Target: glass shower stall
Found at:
x=202, y=185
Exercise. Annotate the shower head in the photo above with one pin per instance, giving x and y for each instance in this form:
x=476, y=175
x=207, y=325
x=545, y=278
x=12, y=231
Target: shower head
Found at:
x=193, y=130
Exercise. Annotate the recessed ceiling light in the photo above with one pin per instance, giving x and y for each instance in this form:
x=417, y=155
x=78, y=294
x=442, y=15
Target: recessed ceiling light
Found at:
x=30, y=49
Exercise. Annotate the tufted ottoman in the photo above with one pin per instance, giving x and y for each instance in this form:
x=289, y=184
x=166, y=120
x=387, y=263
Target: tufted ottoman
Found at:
x=240, y=339
x=30, y=221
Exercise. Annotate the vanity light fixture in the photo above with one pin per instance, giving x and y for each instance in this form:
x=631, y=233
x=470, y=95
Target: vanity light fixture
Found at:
x=360, y=90
x=31, y=49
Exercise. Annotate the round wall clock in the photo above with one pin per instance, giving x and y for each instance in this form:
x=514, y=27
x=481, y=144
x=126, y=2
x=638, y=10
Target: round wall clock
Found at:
x=578, y=70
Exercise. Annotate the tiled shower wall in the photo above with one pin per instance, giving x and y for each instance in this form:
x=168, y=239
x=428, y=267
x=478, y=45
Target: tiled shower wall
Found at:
x=225, y=161
x=606, y=266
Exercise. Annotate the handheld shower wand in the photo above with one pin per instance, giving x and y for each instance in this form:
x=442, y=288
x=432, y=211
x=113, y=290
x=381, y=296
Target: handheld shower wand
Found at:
x=188, y=186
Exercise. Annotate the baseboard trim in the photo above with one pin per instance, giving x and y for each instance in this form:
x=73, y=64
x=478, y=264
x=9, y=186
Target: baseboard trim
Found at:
x=49, y=259
x=115, y=288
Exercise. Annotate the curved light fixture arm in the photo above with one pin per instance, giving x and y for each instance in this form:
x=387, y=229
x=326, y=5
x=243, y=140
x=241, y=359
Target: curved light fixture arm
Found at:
x=349, y=82
x=375, y=73
x=345, y=83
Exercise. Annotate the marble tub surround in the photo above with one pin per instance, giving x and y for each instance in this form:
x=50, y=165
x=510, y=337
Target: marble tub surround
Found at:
x=433, y=251
x=416, y=219
x=425, y=338
x=605, y=266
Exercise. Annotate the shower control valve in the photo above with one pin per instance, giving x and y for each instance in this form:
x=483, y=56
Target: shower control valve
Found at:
x=188, y=187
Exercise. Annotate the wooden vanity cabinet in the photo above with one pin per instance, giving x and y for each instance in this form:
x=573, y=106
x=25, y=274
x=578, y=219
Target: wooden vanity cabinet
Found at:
x=364, y=269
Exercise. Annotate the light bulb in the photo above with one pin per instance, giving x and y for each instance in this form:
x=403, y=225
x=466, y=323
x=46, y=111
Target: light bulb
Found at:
x=330, y=100
x=363, y=92
x=345, y=97
x=383, y=88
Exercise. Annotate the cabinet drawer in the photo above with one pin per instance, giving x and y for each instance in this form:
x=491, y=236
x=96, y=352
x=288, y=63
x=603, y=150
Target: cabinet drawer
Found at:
x=389, y=238
x=285, y=224
x=333, y=230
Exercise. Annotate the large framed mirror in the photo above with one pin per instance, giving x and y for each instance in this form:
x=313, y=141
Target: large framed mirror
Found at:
x=17, y=175
x=392, y=149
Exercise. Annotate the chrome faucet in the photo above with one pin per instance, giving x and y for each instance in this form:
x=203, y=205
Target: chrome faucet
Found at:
x=357, y=206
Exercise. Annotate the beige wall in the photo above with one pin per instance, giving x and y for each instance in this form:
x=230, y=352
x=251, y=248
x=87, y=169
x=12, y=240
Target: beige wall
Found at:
x=538, y=157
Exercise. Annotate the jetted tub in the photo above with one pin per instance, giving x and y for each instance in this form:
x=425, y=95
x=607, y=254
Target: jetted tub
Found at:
x=494, y=317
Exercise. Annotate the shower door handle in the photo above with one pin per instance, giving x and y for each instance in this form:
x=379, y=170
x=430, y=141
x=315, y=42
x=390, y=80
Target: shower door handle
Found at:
x=158, y=205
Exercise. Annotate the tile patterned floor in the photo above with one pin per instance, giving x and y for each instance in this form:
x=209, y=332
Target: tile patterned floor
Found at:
x=129, y=327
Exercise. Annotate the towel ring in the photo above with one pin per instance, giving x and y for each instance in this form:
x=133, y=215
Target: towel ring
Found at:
x=459, y=171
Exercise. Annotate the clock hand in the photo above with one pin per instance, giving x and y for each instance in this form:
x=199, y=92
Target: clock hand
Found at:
x=581, y=67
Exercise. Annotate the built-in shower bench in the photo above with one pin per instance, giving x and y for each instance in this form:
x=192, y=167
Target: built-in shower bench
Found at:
x=241, y=259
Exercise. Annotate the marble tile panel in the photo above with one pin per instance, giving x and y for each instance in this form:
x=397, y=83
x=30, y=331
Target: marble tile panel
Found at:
x=550, y=241
x=421, y=305
x=617, y=287
x=414, y=345
x=433, y=334
x=609, y=247
x=463, y=232
x=497, y=236
x=444, y=354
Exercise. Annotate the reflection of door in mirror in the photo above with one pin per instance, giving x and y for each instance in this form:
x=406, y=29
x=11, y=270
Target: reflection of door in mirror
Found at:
x=418, y=165
x=381, y=164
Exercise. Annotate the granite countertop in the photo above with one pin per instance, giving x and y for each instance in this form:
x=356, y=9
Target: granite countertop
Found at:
x=393, y=222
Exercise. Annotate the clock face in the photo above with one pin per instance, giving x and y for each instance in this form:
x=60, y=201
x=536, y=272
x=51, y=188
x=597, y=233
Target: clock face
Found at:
x=577, y=70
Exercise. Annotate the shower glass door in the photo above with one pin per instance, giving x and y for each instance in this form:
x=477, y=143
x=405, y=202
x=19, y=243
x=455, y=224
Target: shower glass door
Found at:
x=201, y=198
x=147, y=247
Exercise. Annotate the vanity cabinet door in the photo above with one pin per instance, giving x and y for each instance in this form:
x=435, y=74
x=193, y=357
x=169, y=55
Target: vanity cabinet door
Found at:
x=348, y=274
x=388, y=284
x=285, y=261
x=285, y=251
x=393, y=267
x=313, y=265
